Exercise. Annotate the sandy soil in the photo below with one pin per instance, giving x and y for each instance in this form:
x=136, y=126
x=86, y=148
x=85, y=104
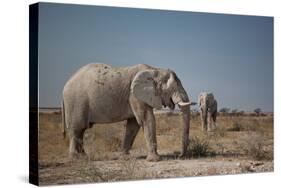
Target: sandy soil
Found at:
x=84, y=171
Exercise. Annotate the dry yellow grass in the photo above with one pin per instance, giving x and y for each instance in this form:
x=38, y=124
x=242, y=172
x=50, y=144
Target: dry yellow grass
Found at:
x=236, y=138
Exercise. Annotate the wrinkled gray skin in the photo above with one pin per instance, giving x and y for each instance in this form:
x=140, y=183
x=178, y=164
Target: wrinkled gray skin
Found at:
x=208, y=111
x=99, y=93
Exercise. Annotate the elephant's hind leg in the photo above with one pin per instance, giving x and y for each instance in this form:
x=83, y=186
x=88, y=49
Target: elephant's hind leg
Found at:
x=214, y=116
x=132, y=128
x=76, y=148
x=78, y=123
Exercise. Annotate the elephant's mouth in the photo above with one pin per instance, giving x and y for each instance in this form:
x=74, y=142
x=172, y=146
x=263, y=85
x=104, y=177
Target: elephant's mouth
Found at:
x=169, y=103
x=173, y=104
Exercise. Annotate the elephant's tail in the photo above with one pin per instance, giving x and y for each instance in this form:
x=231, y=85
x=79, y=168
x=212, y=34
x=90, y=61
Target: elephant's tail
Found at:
x=63, y=119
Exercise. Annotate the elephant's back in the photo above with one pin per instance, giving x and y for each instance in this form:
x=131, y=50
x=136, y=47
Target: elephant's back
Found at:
x=102, y=77
x=104, y=89
x=84, y=73
x=89, y=70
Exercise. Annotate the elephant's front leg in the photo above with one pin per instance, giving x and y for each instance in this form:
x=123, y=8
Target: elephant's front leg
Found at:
x=150, y=136
x=203, y=120
x=132, y=128
x=214, y=117
x=209, y=122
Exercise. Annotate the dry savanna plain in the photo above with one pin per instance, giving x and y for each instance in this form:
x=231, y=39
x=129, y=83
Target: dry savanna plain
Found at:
x=240, y=144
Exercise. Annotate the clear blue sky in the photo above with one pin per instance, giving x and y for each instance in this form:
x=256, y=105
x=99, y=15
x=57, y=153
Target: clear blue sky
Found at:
x=229, y=55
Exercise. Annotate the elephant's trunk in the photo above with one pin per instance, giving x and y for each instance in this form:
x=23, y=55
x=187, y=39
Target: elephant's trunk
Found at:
x=204, y=115
x=183, y=102
x=185, y=137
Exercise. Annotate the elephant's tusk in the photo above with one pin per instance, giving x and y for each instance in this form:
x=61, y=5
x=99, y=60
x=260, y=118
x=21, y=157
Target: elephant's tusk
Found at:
x=184, y=103
x=187, y=103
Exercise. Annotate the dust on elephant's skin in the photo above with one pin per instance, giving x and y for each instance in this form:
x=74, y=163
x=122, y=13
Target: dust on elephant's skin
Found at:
x=99, y=93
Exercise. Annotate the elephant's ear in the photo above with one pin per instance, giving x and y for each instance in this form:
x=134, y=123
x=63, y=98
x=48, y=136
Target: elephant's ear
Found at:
x=143, y=87
x=215, y=105
x=211, y=99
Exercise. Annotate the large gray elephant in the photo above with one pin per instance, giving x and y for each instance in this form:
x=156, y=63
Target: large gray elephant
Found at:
x=99, y=93
x=208, y=111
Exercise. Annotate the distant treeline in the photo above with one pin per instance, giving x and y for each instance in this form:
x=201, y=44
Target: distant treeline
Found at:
x=235, y=112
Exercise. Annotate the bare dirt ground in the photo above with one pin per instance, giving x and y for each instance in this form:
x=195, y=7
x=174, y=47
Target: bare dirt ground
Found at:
x=241, y=144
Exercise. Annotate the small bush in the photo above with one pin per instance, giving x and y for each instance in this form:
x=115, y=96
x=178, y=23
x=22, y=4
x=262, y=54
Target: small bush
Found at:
x=236, y=127
x=221, y=147
x=257, y=111
x=112, y=140
x=255, y=151
x=242, y=126
x=198, y=147
x=241, y=113
x=254, y=147
x=220, y=131
x=224, y=110
x=113, y=144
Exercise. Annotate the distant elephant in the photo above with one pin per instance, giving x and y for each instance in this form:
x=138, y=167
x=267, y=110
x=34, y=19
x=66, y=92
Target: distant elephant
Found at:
x=99, y=93
x=208, y=111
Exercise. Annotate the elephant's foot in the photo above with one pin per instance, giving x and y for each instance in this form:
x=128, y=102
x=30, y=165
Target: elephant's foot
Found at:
x=183, y=155
x=78, y=155
x=211, y=130
x=153, y=157
x=76, y=150
x=125, y=155
x=125, y=152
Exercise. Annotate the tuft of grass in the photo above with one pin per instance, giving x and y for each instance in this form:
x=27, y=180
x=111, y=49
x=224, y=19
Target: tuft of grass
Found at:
x=254, y=147
x=236, y=126
x=242, y=125
x=221, y=147
x=220, y=131
x=199, y=147
x=113, y=143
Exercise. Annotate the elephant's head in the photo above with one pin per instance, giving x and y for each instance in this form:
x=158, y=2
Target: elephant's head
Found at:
x=160, y=87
